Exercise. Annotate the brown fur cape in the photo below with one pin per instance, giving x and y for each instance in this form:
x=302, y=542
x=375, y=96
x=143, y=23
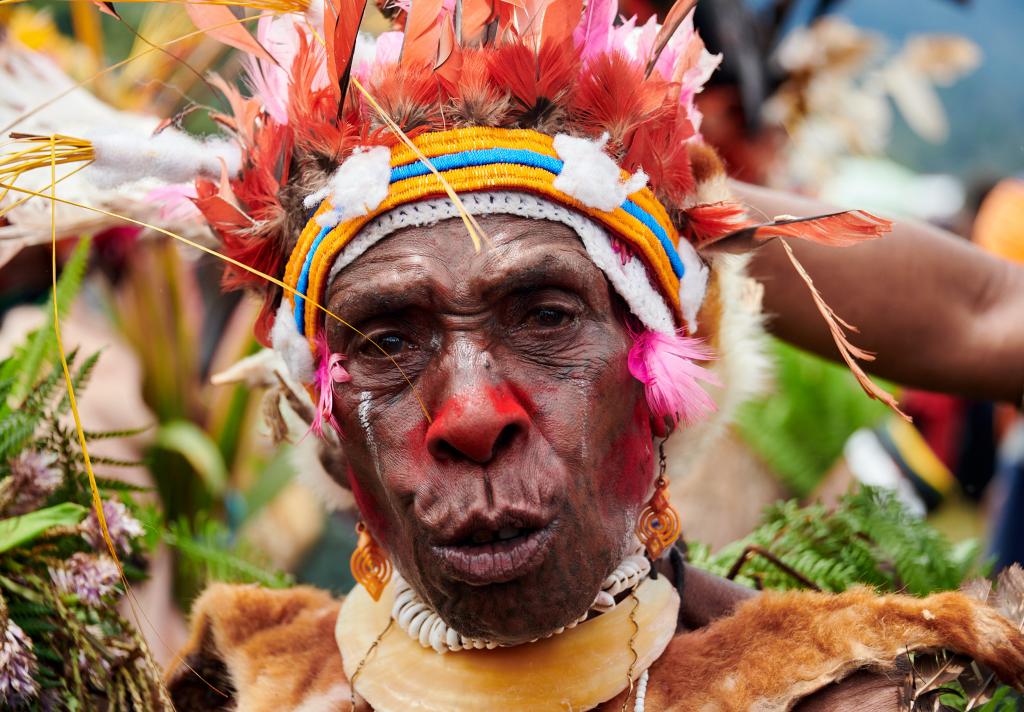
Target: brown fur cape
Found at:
x=259, y=650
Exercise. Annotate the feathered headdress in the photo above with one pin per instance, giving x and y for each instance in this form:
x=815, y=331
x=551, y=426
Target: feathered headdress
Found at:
x=545, y=110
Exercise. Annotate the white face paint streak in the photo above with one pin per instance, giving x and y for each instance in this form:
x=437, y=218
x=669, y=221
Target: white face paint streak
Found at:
x=465, y=355
x=364, y=423
x=583, y=385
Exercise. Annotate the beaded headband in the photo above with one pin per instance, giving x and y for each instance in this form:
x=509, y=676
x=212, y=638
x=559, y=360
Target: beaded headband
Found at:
x=573, y=173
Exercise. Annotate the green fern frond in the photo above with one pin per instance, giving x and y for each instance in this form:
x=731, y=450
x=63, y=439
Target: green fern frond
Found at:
x=27, y=362
x=210, y=555
x=79, y=380
x=116, y=434
x=868, y=539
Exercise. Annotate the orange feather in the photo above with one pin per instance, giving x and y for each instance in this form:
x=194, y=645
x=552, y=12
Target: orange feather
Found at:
x=423, y=29
x=560, y=19
x=449, y=56
x=218, y=22
x=476, y=15
x=673, y=19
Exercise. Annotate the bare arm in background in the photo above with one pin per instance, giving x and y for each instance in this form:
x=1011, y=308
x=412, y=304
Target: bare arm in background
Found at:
x=938, y=313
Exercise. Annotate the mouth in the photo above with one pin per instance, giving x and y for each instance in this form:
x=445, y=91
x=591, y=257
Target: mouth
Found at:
x=484, y=553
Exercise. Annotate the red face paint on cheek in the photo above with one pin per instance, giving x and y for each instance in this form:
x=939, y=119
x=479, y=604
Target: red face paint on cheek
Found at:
x=630, y=459
x=368, y=508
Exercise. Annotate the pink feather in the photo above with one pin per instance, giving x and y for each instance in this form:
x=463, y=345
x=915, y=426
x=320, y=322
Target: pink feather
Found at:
x=665, y=365
x=328, y=372
x=593, y=34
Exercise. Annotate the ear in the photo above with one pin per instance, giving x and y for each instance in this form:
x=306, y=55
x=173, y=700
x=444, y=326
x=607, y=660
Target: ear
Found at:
x=661, y=426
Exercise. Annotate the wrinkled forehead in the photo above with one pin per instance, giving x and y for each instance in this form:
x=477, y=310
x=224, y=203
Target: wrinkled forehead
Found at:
x=516, y=254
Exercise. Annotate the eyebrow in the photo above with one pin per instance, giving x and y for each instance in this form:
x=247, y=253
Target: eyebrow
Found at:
x=536, y=268
x=364, y=300
x=357, y=298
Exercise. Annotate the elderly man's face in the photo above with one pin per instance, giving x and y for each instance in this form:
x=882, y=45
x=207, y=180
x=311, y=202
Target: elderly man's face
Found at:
x=510, y=505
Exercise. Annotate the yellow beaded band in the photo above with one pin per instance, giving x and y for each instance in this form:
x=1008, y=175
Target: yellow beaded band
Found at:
x=474, y=160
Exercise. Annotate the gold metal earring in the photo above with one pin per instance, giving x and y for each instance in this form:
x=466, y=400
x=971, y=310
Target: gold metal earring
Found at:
x=370, y=564
x=658, y=526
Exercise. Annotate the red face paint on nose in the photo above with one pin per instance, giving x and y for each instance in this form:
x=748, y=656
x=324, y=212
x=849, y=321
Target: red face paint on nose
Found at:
x=476, y=425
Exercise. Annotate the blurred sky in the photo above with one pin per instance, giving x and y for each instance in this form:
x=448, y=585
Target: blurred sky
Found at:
x=985, y=109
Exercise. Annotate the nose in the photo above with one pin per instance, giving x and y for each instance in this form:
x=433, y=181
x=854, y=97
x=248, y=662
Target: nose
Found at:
x=476, y=425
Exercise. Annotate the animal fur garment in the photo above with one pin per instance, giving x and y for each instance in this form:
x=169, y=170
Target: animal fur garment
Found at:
x=275, y=650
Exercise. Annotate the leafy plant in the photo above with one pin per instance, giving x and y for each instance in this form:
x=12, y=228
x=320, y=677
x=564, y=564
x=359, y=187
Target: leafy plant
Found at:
x=800, y=430
x=63, y=645
x=869, y=538
x=210, y=467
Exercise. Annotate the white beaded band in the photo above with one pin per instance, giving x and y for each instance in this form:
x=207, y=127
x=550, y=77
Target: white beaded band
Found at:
x=628, y=276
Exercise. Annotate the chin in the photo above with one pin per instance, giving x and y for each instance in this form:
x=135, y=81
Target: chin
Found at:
x=515, y=612
x=522, y=610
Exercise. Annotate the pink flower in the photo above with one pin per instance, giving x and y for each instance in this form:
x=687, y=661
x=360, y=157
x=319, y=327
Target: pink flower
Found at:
x=17, y=667
x=90, y=578
x=121, y=525
x=32, y=480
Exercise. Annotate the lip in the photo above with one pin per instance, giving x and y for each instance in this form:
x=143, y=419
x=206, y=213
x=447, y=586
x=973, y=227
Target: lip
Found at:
x=495, y=561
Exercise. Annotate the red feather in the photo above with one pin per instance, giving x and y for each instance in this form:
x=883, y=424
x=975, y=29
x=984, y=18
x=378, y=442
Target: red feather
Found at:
x=704, y=224
x=659, y=146
x=537, y=82
x=235, y=230
x=313, y=115
x=341, y=26
x=834, y=230
x=613, y=96
x=266, y=170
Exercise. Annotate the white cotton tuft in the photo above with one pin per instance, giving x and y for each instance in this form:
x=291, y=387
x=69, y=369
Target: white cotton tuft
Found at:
x=693, y=285
x=590, y=175
x=292, y=345
x=171, y=156
x=357, y=187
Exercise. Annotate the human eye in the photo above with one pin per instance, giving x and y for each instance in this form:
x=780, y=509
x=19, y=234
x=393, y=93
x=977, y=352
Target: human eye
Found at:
x=387, y=344
x=548, y=317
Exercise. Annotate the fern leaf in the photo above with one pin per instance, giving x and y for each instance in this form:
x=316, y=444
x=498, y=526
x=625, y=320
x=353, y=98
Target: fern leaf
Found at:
x=27, y=362
x=79, y=379
x=206, y=552
x=116, y=434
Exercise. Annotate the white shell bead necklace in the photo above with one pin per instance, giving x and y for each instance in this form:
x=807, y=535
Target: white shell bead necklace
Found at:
x=423, y=623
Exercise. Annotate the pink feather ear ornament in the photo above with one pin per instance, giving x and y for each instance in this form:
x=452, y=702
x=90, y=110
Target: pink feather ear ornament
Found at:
x=664, y=363
x=329, y=371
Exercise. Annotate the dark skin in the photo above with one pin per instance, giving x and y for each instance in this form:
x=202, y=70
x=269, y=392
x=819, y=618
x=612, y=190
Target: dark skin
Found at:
x=508, y=508
x=940, y=313
x=515, y=352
